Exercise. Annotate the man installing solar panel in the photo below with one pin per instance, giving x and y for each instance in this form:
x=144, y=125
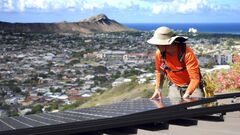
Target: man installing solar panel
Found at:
x=175, y=60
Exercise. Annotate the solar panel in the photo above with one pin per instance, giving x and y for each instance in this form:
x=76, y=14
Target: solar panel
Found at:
x=101, y=117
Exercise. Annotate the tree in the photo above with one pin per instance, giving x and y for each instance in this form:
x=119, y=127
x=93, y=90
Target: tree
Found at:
x=100, y=79
x=59, y=76
x=77, y=54
x=55, y=90
x=131, y=72
x=230, y=42
x=15, y=89
x=42, y=75
x=52, y=106
x=116, y=75
x=36, y=109
x=2, y=94
x=80, y=82
x=100, y=69
x=13, y=113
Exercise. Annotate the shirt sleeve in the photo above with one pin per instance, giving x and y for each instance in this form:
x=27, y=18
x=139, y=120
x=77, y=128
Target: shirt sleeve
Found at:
x=157, y=64
x=192, y=69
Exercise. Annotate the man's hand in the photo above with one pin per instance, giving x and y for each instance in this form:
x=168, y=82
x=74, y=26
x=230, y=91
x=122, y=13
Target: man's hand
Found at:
x=157, y=94
x=158, y=103
x=186, y=95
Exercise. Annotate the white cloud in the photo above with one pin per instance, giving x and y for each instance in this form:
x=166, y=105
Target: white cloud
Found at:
x=180, y=6
x=160, y=8
x=121, y=4
x=32, y=4
x=42, y=5
x=56, y=5
x=71, y=4
x=6, y=5
x=153, y=6
x=118, y=4
x=90, y=5
x=23, y=5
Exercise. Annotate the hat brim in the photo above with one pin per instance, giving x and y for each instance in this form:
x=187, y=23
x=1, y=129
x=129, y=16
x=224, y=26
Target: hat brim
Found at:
x=177, y=39
x=156, y=41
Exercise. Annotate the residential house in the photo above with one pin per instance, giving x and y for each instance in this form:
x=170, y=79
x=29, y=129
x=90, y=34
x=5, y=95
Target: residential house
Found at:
x=109, y=55
x=223, y=58
x=137, y=58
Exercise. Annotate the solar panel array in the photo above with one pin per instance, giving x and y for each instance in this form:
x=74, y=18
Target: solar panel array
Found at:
x=100, y=117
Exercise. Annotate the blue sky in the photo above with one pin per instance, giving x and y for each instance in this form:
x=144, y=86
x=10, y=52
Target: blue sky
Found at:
x=123, y=11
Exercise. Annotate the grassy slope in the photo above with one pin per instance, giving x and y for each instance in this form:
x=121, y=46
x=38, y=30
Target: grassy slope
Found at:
x=126, y=91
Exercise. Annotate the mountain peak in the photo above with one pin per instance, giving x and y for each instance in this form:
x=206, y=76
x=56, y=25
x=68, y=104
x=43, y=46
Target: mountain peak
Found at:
x=100, y=18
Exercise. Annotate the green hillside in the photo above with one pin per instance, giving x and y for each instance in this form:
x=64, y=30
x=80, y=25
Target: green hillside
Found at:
x=126, y=91
x=123, y=92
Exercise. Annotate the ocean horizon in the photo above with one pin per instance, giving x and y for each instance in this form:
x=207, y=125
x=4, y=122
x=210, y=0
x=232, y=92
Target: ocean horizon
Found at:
x=219, y=28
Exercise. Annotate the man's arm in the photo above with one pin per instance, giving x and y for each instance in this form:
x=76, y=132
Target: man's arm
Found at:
x=193, y=71
x=157, y=92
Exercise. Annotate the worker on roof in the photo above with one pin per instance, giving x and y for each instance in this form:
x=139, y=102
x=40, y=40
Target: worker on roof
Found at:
x=177, y=62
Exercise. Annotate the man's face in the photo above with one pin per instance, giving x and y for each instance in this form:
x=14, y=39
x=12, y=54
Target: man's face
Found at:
x=170, y=49
x=162, y=48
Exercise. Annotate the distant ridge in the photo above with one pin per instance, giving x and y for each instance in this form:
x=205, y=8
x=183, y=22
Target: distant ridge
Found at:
x=98, y=23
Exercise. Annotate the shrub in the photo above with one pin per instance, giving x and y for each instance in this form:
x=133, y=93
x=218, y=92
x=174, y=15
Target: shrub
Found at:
x=224, y=80
x=230, y=80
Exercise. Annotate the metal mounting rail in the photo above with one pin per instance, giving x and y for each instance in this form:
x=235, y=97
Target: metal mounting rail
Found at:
x=228, y=95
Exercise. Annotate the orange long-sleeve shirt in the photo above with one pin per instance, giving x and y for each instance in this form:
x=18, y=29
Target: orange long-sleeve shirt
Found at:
x=189, y=77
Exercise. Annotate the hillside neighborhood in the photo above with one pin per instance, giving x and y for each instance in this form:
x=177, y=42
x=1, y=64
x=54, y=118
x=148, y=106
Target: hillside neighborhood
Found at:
x=37, y=70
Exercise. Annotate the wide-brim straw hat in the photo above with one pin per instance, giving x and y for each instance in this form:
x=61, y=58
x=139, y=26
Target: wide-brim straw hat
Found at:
x=165, y=36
